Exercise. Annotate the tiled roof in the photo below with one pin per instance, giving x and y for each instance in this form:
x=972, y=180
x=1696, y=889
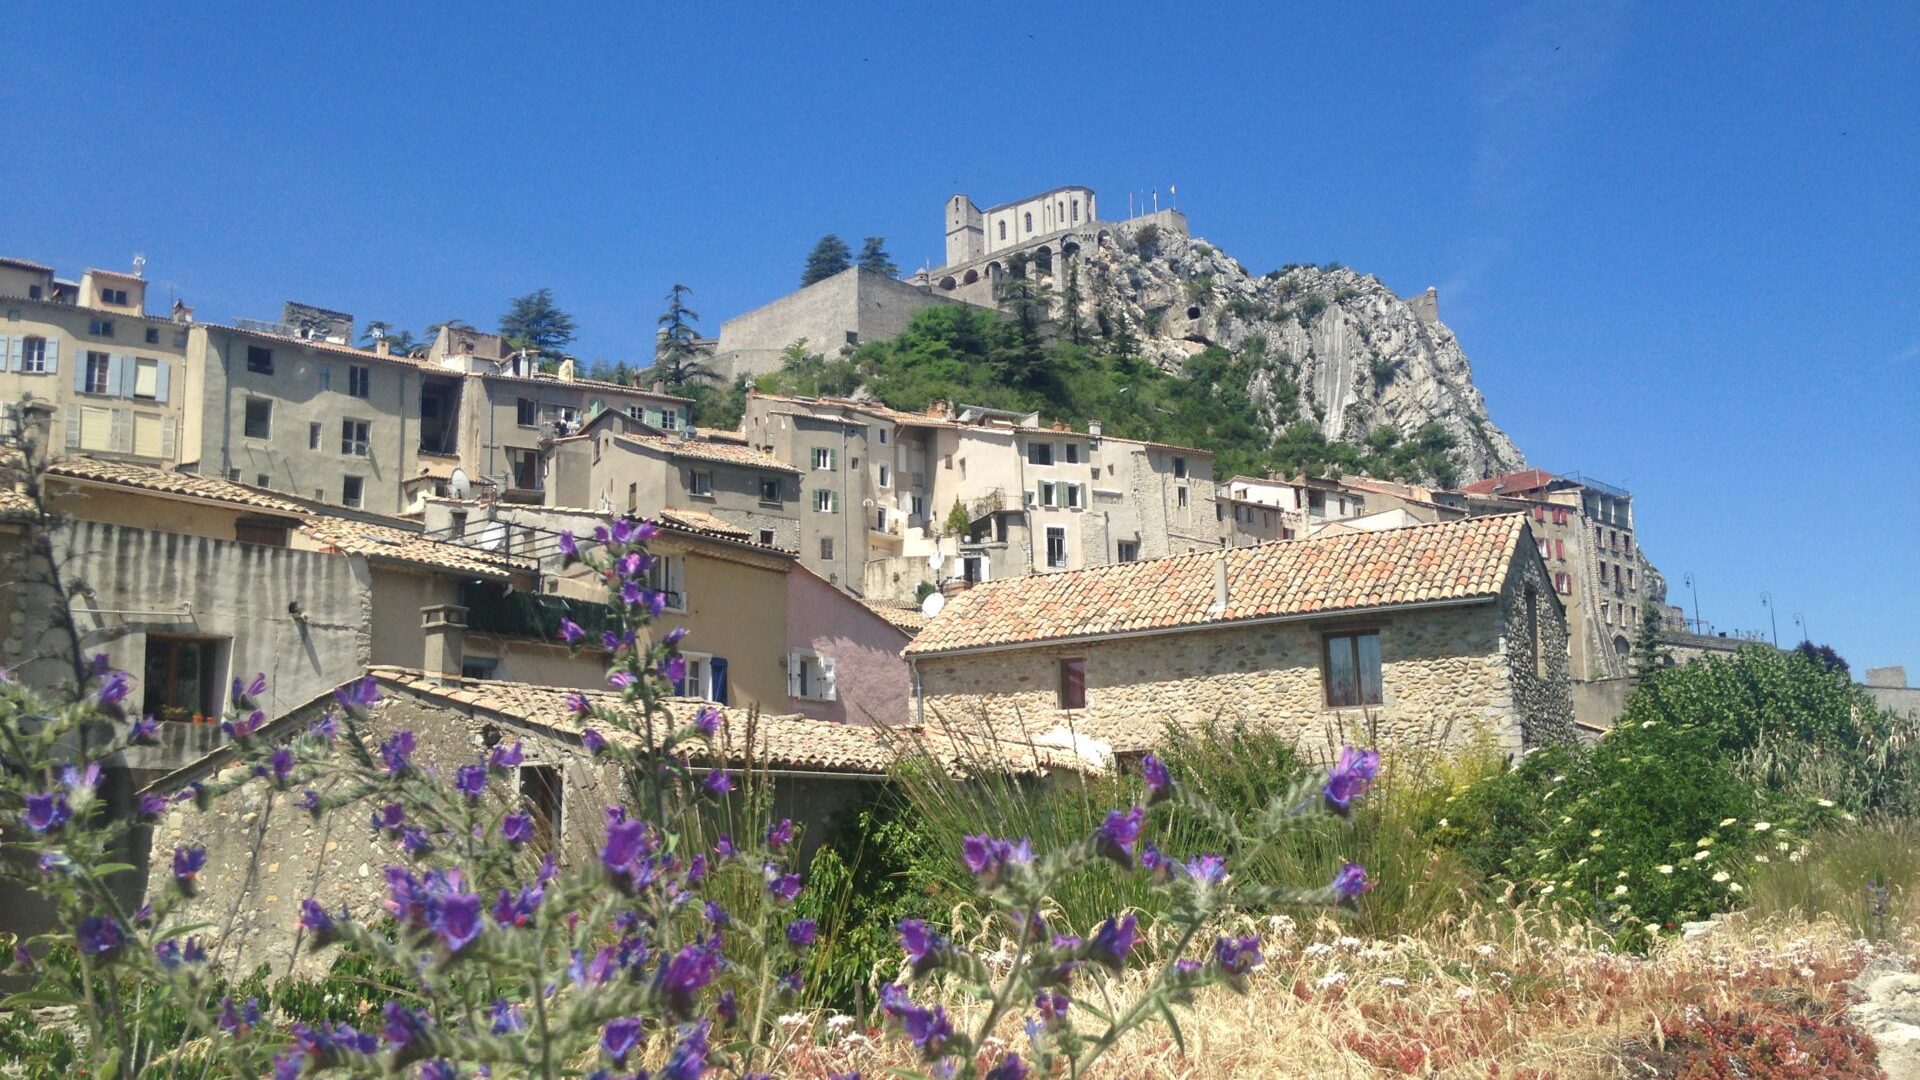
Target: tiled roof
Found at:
x=146, y=478
x=727, y=453
x=1450, y=561
x=24, y=264
x=14, y=503
x=701, y=521
x=387, y=543
x=907, y=617
x=591, y=384
x=1524, y=480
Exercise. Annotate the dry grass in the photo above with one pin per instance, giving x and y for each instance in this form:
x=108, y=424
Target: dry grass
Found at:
x=1529, y=1001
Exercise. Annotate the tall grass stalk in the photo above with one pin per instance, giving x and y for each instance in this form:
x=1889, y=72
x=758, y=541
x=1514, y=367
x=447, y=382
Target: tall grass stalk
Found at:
x=1866, y=875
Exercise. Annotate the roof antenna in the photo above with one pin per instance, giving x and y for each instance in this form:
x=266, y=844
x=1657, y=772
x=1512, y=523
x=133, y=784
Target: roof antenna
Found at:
x=139, y=264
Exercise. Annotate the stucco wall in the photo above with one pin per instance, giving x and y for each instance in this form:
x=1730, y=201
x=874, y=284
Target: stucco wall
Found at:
x=1444, y=677
x=871, y=680
x=67, y=330
x=737, y=609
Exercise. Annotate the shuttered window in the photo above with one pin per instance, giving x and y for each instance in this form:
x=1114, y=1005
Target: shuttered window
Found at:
x=149, y=436
x=96, y=428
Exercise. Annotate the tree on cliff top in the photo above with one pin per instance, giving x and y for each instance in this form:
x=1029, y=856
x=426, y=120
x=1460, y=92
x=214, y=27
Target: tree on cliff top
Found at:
x=535, y=322
x=677, y=358
x=830, y=256
x=874, y=257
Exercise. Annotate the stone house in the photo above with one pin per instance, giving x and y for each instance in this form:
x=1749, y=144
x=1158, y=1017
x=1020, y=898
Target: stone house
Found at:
x=843, y=654
x=1430, y=635
x=620, y=466
x=265, y=854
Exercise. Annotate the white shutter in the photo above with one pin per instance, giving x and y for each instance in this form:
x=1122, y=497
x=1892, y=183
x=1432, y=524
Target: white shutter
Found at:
x=167, y=435
x=827, y=692
x=122, y=431
x=53, y=355
x=80, y=374
x=73, y=427
x=9, y=360
x=793, y=674
x=18, y=351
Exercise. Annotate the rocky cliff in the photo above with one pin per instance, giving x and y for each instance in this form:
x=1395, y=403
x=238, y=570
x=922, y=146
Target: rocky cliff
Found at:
x=1330, y=345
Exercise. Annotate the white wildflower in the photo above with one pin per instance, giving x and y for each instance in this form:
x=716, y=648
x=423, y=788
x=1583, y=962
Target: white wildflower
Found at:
x=1735, y=887
x=1393, y=981
x=1331, y=978
x=1724, y=822
x=1698, y=855
x=839, y=1022
x=1619, y=890
x=1548, y=891
x=1463, y=993
x=1348, y=942
x=1444, y=823
x=1484, y=950
x=1722, y=877
x=793, y=1019
x=1762, y=826
x=1318, y=948
x=1828, y=803
x=1664, y=868
x=1762, y=858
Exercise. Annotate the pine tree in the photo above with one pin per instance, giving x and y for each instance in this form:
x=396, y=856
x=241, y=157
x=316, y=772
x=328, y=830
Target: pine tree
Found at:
x=622, y=374
x=874, y=257
x=535, y=322
x=1076, y=329
x=677, y=358
x=829, y=257
x=1649, y=651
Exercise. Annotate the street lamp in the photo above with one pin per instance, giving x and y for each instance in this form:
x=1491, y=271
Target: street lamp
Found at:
x=1800, y=621
x=1698, y=626
x=1766, y=601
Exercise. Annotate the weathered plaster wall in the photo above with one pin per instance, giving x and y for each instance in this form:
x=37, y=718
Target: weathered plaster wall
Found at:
x=871, y=306
x=872, y=685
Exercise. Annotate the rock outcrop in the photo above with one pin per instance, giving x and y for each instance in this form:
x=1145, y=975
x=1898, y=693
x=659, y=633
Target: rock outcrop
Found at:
x=1334, y=346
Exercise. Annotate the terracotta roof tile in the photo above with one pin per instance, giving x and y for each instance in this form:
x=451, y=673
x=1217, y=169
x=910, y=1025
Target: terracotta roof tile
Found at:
x=147, y=478
x=728, y=453
x=1524, y=480
x=907, y=617
x=1449, y=560
x=390, y=544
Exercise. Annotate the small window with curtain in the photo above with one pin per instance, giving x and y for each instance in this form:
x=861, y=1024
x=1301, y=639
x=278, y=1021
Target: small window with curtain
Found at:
x=1351, y=669
x=1073, y=683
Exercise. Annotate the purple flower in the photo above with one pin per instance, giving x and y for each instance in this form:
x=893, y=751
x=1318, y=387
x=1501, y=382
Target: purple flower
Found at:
x=1237, y=955
x=1350, y=883
x=245, y=726
x=505, y=1018
x=622, y=532
x=415, y=840
x=439, y=1069
x=187, y=864
x=723, y=847
x=1118, y=833
x=688, y=972
x=619, y=1038
x=688, y=1059
x=1352, y=775
x=47, y=811
x=55, y=862
x=631, y=593
x=676, y=635
x=928, y=1029
x=1010, y=1068
x=784, y=887
x=80, y=779
x=314, y=917
x=674, y=670
x=517, y=910
x=167, y=953
x=1114, y=940
x=1159, y=784
x=114, y=688
x=152, y=805
x=506, y=757
x=245, y=693
x=143, y=732
x=626, y=844
x=801, y=932
x=719, y=782
x=920, y=943
x=568, y=545
x=991, y=859
x=281, y=764
x=1206, y=869
x=238, y=1018
x=389, y=818
x=591, y=739
x=620, y=680
x=517, y=828
x=577, y=704
x=707, y=721
x=400, y=1025
x=471, y=781
x=780, y=835
x=727, y=1007
x=454, y=919
x=570, y=632
x=310, y=801
x=358, y=694
x=631, y=564
x=1052, y=1005
x=328, y=726
x=100, y=935
x=397, y=752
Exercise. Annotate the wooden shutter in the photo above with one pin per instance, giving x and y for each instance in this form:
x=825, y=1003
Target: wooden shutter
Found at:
x=119, y=375
x=793, y=674
x=9, y=359
x=80, y=374
x=167, y=437
x=160, y=386
x=122, y=431
x=827, y=690
x=73, y=427
x=53, y=355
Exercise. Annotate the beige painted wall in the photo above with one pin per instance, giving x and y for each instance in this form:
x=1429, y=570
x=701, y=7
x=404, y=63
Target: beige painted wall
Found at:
x=737, y=609
x=67, y=331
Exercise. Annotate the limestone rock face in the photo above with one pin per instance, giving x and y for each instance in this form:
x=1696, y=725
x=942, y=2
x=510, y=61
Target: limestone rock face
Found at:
x=1359, y=355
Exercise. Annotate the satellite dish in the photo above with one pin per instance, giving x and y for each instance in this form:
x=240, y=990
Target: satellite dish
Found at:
x=936, y=560
x=459, y=485
x=933, y=603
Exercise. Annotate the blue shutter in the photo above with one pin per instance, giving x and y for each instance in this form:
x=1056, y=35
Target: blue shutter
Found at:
x=718, y=669
x=80, y=375
x=160, y=381
x=53, y=355
x=8, y=361
x=119, y=376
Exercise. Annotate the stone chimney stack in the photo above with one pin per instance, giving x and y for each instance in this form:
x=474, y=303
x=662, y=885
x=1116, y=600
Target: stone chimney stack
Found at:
x=1220, y=593
x=445, y=628
x=1093, y=428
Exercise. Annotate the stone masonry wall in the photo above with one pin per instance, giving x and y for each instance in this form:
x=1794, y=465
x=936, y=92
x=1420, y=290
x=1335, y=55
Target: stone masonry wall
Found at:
x=1542, y=693
x=1444, y=671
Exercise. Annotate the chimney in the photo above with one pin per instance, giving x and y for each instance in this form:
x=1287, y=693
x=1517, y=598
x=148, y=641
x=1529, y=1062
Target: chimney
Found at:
x=382, y=347
x=445, y=629
x=1220, y=596
x=1093, y=428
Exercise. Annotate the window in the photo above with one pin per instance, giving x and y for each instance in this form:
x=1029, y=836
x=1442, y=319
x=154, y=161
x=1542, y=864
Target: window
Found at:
x=700, y=482
x=1047, y=495
x=823, y=458
x=479, y=667
x=525, y=465
x=766, y=537
x=541, y=794
x=706, y=678
x=1073, y=683
x=1606, y=613
x=886, y=476
x=262, y=480
x=153, y=336
x=1056, y=548
x=880, y=519
x=526, y=412
x=669, y=419
x=1630, y=577
x=633, y=499
x=811, y=676
x=1560, y=550
x=826, y=501
x=916, y=506
x=259, y=419
x=854, y=464
x=359, y=380
x=115, y=297
x=259, y=360
x=1073, y=496
x=883, y=436
x=1003, y=230
x=1076, y=211
x=353, y=491
x=1179, y=468
x=323, y=377
x=184, y=677
x=1129, y=550
x=1029, y=222
x=313, y=435
x=1073, y=453
x=353, y=437
x=100, y=327
x=826, y=548
x=770, y=489
x=1352, y=669
x=667, y=575
x=1040, y=453
x=33, y=356
x=1180, y=496
x=99, y=372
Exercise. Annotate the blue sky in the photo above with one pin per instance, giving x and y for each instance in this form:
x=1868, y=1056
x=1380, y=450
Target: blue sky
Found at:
x=1679, y=245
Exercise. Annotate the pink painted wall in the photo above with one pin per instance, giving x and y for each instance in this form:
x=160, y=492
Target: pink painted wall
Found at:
x=870, y=678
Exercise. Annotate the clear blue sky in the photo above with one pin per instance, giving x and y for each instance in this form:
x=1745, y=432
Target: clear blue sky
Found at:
x=1679, y=245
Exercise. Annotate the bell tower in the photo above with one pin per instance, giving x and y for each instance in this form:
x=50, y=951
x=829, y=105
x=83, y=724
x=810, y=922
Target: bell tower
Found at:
x=966, y=240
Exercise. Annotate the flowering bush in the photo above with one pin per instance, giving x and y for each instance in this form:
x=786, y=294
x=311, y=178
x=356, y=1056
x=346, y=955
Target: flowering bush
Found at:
x=668, y=947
